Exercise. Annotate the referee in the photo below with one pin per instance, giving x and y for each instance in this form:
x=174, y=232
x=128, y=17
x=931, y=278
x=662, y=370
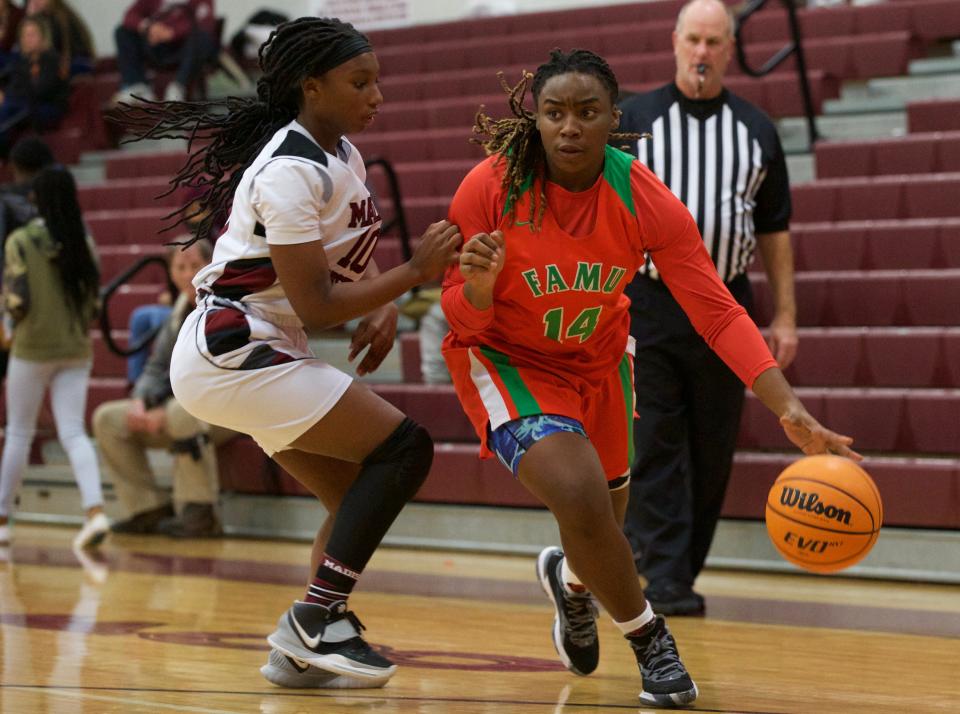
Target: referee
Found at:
x=721, y=156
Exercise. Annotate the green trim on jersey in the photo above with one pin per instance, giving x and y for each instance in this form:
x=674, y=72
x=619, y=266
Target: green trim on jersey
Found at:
x=625, y=370
x=522, y=398
x=616, y=172
x=513, y=196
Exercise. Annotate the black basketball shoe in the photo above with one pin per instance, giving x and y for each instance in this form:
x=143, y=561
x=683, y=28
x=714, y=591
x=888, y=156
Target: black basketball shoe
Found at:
x=666, y=682
x=329, y=640
x=575, y=626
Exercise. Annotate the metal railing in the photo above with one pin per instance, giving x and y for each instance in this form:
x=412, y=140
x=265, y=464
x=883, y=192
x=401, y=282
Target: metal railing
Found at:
x=794, y=46
x=399, y=220
x=108, y=291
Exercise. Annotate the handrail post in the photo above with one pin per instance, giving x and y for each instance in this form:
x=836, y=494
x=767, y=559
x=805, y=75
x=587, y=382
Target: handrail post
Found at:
x=795, y=46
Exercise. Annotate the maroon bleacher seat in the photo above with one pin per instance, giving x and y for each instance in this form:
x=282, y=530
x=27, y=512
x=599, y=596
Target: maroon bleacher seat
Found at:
x=825, y=22
x=869, y=298
x=898, y=244
x=931, y=297
x=828, y=358
x=873, y=417
x=814, y=202
x=911, y=244
x=126, y=165
x=862, y=298
x=116, y=258
x=409, y=345
x=435, y=405
x=829, y=246
x=128, y=225
x=902, y=358
x=880, y=18
x=933, y=115
x=105, y=362
x=877, y=197
x=951, y=356
x=933, y=419
x=935, y=19
x=909, y=155
x=933, y=196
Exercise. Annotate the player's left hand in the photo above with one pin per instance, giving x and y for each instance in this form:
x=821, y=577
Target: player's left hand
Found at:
x=378, y=331
x=813, y=438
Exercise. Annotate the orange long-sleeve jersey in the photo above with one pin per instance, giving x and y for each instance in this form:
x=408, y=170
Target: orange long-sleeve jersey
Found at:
x=558, y=302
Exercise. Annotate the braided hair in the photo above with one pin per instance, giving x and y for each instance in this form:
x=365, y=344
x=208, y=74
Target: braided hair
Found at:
x=516, y=140
x=56, y=198
x=224, y=136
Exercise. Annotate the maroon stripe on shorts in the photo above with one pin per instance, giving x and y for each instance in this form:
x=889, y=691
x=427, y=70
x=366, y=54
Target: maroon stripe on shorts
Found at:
x=225, y=330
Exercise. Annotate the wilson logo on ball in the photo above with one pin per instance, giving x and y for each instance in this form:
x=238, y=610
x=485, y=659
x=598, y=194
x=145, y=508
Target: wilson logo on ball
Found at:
x=810, y=502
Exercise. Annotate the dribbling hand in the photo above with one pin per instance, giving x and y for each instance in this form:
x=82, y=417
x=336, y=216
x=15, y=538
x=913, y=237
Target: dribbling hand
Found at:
x=811, y=437
x=436, y=250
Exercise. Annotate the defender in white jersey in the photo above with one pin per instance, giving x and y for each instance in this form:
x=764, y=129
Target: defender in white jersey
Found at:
x=296, y=253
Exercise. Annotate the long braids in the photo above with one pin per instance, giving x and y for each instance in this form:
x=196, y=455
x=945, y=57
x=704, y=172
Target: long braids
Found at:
x=516, y=140
x=225, y=135
x=58, y=206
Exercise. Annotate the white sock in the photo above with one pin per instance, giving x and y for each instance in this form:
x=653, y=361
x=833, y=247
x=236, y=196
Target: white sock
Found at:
x=568, y=577
x=644, y=618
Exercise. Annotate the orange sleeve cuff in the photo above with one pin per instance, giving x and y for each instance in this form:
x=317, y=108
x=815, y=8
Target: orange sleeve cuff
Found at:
x=465, y=319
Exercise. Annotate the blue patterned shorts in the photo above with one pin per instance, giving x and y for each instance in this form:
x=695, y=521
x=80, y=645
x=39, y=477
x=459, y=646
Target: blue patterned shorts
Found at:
x=510, y=441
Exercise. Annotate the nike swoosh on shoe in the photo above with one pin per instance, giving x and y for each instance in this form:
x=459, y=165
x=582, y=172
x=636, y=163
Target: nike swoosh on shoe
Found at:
x=311, y=642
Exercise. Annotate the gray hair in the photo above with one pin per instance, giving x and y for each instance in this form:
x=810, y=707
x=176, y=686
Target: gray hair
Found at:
x=726, y=8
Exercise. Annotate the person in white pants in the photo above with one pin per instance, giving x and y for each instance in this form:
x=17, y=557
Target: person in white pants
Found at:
x=50, y=293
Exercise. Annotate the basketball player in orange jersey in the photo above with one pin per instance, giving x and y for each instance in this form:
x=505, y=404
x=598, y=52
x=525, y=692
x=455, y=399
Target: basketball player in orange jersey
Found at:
x=557, y=223
x=295, y=254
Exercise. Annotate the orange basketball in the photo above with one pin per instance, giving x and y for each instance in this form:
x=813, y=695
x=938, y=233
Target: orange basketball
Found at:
x=824, y=513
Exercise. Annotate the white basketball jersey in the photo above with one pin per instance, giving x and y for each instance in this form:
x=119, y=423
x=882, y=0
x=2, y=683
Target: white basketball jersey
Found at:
x=293, y=192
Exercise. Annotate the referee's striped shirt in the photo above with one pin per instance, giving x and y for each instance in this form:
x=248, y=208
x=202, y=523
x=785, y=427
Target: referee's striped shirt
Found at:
x=722, y=158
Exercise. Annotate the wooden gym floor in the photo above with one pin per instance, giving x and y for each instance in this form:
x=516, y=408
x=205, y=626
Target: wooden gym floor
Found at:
x=157, y=625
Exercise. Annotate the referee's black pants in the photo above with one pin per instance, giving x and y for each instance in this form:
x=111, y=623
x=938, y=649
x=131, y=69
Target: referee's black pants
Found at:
x=688, y=405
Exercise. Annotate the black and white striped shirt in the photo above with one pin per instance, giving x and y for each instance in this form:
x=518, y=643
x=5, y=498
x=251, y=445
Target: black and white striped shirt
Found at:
x=723, y=159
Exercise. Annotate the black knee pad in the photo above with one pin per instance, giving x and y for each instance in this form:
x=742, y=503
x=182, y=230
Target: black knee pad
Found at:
x=409, y=453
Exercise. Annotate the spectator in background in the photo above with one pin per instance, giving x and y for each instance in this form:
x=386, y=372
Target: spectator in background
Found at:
x=28, y=158
x=148, y=319
x=729, y=170
x=50, y=291
x=10, y=16
x=153, y=419
x=35, y=94
x=159, y=33
x=69, y=35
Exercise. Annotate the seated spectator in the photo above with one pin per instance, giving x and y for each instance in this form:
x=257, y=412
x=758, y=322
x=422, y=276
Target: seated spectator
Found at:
x=159, y=33
x=69, y=35
x=147, y=319
x=10, y=16
x=36, y=95
x=153, y=419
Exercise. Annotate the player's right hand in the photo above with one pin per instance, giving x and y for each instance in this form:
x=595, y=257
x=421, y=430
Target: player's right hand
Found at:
x=436, y=249
x=482, y=259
